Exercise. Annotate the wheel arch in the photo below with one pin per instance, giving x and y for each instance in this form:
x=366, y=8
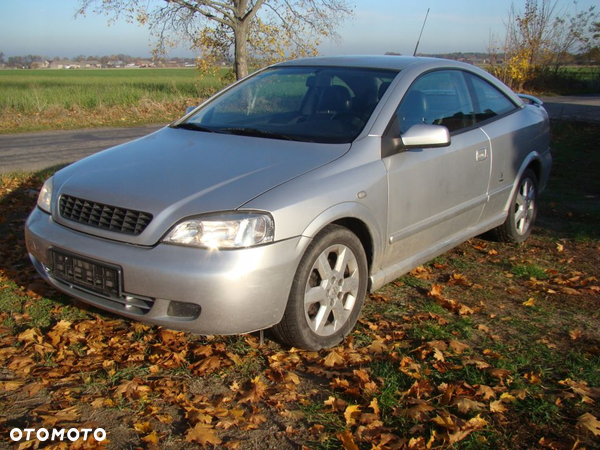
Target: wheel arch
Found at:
x=533, y=162
x=360, y=221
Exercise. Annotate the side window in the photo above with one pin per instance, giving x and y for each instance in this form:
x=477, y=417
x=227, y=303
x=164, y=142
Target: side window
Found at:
x=490, y=101
x=437, y=98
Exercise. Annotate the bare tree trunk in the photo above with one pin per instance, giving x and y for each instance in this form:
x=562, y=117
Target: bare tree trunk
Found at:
x=240, y=34
x=240, y=50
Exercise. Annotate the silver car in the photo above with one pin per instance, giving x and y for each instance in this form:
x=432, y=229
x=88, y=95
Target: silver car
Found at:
x=280, y=201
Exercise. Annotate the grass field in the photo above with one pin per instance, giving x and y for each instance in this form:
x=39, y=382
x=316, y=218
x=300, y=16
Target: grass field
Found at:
x=61, y=99
x=489, y=346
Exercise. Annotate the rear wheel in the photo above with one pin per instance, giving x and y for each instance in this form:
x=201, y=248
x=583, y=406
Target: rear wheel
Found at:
x=522, y=212
x=327, y=292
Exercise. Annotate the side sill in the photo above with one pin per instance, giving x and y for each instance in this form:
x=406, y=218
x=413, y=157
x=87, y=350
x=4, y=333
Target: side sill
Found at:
x=390, y=273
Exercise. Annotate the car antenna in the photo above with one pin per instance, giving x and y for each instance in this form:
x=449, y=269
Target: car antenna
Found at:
x=421, y=33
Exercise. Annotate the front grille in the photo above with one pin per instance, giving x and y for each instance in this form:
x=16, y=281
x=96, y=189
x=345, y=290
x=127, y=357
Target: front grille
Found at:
x=86, y=274
x=103, y=216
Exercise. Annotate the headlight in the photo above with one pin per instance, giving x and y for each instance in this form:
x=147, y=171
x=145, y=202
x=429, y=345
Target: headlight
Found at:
x=235, y=230
x=45, y=198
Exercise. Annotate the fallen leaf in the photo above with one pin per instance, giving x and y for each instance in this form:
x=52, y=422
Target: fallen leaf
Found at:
x=501, y=374
x=485, y=392
x=332, y=359
x=374, y=405
x=351, y=414
x=575, y=334
x=590, y=423
x=151, y=439
x=347, y=440
x=497, y=407
x=202, y=434
x=530, y=302
x=445, y=420
x=458, y=347
x=142, y=427
x=465, y=404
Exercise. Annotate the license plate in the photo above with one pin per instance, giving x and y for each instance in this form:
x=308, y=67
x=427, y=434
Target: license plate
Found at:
x=87, y=274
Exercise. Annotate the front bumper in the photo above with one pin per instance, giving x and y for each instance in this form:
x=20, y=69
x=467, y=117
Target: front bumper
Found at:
x=238, y=291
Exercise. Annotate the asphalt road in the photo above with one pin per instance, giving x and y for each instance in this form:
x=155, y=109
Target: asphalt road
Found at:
x=570, y=107
x=35, y=151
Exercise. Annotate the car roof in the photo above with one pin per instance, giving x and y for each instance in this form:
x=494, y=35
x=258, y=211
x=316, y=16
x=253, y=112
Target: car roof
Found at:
x=393, y=62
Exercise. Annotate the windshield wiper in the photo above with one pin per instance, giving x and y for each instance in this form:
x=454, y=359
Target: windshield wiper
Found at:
x=194, y=127
x=244, y=131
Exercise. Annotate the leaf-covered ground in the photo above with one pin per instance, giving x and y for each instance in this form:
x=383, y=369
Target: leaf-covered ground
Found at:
x=488, y=346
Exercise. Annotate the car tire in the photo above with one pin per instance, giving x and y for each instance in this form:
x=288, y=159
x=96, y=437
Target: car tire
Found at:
x=522, y=211
x=327, y=293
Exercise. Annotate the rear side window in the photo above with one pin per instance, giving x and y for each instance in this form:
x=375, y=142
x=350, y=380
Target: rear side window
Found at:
x=490, y=102
x=437, y=98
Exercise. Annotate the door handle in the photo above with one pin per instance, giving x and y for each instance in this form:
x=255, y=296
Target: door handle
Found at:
x=481, y=154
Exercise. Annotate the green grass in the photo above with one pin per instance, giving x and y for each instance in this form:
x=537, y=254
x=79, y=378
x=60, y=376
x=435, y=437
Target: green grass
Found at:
x=27, y=91
x=32, y=100
x=529, y=271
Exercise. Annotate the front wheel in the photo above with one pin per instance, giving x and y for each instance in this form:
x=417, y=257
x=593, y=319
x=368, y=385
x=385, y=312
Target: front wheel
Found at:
x=522, y=212
x=327, y=293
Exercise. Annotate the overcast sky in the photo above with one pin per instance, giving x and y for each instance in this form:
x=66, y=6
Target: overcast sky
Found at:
x=49, y=28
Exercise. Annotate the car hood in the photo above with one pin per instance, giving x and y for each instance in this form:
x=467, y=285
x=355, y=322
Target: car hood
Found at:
x=174, y=173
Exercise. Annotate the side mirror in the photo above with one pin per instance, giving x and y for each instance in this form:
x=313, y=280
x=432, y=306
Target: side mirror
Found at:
x=424, y=136
x=189, y=109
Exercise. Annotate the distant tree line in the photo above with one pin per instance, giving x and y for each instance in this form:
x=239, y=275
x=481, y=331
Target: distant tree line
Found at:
x=26, y=61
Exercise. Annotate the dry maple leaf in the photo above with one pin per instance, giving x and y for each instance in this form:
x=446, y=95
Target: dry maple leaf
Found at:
x=206, y=366
x=582, y=388
x=256, y=392
x=485, y=392
x=501, y=374
x=347, y=440
x=465, y=404
x=554, y=444
x=351, y=414
x=497, y=407
x=151, y=439
x=445, y=420
x=202, y=434
x=337, y=404
x=11, y=385
x=332, y=359
x=32, y=335
x=575, y=334
x=378, y=347
x=530, y=302
x=458, y=279
x=142, y=427
x=374, y=405
x=458, y=347
x=419, y=412
x=436, y=290
x=474, y=424
x=590, y=423
x=569, y=291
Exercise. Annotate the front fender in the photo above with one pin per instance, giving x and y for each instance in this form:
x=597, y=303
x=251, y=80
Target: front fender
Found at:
x=350, y=210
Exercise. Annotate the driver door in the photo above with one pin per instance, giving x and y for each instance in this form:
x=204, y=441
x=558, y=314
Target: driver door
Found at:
x=436, y=194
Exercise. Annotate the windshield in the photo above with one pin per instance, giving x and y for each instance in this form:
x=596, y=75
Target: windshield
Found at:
x=312, y=104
